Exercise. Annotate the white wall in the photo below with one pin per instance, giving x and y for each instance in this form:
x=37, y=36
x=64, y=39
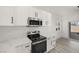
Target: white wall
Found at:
x=56, y=18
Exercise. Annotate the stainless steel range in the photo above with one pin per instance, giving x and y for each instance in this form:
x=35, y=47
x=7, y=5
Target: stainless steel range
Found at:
x=39, y=42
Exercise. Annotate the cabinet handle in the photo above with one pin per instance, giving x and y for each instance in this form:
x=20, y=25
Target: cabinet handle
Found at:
x=12, y=20
x=26, y=46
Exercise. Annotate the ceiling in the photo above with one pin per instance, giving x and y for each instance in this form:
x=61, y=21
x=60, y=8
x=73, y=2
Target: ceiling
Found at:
x=59, y=9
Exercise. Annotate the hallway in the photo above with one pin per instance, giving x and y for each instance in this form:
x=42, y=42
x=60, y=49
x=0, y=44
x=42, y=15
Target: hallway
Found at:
x=66, y=46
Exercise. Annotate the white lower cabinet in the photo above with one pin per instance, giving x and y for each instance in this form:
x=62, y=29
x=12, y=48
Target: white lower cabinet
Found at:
x=24, y=48
x=50, y=44
x=53, y=44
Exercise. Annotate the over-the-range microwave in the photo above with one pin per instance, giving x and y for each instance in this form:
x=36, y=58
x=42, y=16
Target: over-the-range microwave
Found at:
x=33, y=21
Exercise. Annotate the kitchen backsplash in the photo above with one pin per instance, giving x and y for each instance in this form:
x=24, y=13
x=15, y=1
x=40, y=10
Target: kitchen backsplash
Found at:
x=15, y=32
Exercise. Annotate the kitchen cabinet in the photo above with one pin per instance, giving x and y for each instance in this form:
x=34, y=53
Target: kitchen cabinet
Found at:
x=22, y=14
x=18, y=16
x=50, y=44
x=23, y=48
x=32, y=12
x=44, y=16
x=6, y=16
x=15, y=16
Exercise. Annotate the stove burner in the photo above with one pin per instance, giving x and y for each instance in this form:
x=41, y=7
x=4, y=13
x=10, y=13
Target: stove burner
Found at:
x=37, y=38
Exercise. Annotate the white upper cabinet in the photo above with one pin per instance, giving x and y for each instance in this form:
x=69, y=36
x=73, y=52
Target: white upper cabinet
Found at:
x=31, y=11
x=5, y=16
x=22, y=14
x=44, y=16
x=18, y=15
x=15, y=16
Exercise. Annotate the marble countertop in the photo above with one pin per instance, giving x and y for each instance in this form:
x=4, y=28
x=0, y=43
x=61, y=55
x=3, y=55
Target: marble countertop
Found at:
x=10, y=44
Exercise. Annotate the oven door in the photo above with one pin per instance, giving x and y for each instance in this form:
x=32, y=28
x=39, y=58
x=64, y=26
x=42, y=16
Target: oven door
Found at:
x=39, y=47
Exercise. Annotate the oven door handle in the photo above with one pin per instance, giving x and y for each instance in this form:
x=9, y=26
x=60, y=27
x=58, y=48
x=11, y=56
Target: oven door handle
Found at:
x=38, y=42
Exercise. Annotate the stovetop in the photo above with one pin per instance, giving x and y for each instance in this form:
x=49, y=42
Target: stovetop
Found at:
x=37, y=38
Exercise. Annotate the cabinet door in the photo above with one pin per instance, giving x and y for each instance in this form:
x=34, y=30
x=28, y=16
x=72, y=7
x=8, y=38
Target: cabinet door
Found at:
x=31, y=12
x=44, y=16
x=5, y=16
x=49, y=44
x=53, y=42
x=21, y=15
